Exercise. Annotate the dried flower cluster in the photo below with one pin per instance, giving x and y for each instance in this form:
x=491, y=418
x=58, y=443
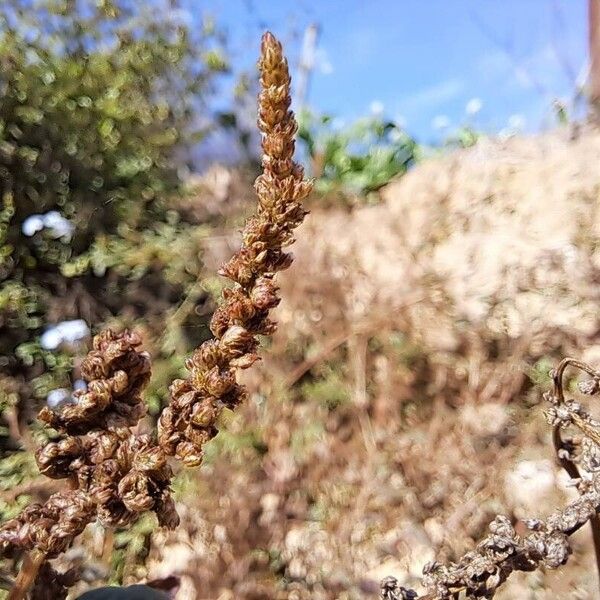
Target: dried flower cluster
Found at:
x=479, y=573
x=115, y=474
x=190, y=420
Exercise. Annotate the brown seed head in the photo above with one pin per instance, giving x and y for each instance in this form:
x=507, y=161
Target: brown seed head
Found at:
x=244, y=312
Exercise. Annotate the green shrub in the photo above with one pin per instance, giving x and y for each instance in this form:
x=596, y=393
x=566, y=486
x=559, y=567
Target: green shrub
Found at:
x=359, y=158
x=98, y=101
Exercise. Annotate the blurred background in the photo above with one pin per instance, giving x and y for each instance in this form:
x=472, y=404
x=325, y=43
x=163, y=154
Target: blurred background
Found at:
x=451, y=258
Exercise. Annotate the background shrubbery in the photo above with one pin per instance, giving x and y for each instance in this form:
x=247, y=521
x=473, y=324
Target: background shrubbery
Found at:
x=100, y=103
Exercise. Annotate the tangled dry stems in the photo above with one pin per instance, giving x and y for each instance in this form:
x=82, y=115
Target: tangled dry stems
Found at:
x=480, y=572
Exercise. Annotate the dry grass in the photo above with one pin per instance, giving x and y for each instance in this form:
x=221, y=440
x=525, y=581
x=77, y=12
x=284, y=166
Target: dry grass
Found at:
x=445, y=307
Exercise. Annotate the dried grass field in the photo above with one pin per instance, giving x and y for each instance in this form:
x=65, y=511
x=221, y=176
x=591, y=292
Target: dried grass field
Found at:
x=399, y=407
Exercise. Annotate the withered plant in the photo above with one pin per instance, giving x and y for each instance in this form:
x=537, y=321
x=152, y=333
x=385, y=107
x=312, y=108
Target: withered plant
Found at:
x=480, y=572
x=114, y=474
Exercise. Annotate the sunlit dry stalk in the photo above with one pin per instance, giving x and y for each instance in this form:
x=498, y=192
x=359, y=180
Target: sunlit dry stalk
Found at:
x=115, y=474
x=479, y=573
x=30, y=569
x=196, y=402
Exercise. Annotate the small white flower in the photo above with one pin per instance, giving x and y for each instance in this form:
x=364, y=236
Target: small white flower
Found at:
x=66, y=331
x=51, y=339
x=79, y=384
x=32, y=224
x=59, y=397
x=58, y=225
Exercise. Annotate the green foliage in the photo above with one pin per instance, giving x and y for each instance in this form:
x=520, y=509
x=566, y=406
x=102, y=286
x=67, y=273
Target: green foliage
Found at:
x=131, y=547
x=404, y=350
x=98, y=101
x=240, y=447
x=539, y=373
x=359, y=158
x=464, y=137
x=15, y=469
x=330, y=390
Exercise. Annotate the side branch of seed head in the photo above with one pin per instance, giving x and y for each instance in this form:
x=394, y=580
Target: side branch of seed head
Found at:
x=480, y=572
x=196, y=402
x=114, y=474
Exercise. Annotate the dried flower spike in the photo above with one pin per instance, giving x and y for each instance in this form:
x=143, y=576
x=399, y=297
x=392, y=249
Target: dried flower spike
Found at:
x=190, y=419
x=116, y=474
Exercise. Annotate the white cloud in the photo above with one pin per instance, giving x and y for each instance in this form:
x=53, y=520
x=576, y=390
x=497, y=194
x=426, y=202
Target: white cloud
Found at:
x=473, y=106
x=322, y=62
x=434, y=95
x=539, y=70
x=440, y=122
x=517, y=122
x=338, y=123
x=376, y=107
x=400, y=120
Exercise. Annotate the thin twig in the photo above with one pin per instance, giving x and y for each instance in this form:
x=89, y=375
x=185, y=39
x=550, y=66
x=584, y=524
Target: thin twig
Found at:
x=32, y=561
x=559, y=445
x=321, y=355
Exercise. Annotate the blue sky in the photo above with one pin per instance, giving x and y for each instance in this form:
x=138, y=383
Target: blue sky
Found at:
x=423, y=60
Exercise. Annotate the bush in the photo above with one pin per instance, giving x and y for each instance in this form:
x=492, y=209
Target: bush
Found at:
x=98, y=102
x=359, y=158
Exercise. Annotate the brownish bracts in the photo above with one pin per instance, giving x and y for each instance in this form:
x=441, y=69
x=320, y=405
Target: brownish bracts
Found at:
x=115, y=474
x=196, y=402
x=116, y=374
x=49, y=528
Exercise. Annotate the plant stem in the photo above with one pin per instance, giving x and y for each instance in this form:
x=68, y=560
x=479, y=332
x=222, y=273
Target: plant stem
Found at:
x=586, y=429
x=32, y=561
